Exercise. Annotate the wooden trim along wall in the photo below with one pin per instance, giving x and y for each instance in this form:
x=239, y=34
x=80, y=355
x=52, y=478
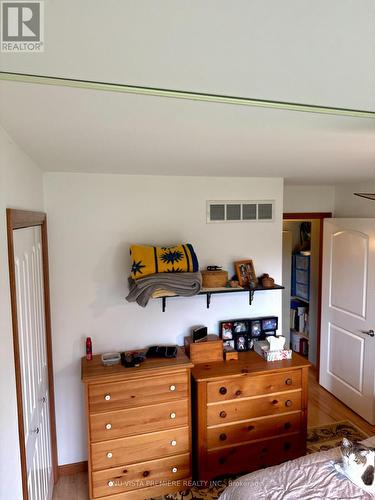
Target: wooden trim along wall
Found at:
x=306, y=216
x=17, y=219
x=69, y=469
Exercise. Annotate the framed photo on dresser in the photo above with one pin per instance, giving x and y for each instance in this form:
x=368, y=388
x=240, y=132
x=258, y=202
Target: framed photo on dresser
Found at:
x=241, y=333
x=241, y=342
x=226, y=330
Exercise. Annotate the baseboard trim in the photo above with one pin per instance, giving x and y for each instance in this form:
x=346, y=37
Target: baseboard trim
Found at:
x=68, y=469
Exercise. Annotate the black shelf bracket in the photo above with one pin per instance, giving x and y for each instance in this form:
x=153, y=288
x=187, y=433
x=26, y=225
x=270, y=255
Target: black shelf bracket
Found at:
x=208, y=297
x=164, y=302
x=251, y=297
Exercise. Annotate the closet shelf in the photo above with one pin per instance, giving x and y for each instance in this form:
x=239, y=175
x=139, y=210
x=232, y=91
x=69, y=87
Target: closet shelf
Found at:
x=301, y=334
x=295, y=297
x=212, y=291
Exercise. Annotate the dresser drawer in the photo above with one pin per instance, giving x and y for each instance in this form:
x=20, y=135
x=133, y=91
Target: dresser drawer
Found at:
x=140, y=448
x=232, y=411
x=250, y=430
x=141, y=475
x=249, y=457
x=247, y=385
x=122, y=423
x=139, y=392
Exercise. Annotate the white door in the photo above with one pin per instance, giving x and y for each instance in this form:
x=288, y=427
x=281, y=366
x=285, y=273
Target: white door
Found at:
x=347, y=357
x=33, y=361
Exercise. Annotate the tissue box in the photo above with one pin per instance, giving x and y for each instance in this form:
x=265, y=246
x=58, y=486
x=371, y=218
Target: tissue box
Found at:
x=261, y=347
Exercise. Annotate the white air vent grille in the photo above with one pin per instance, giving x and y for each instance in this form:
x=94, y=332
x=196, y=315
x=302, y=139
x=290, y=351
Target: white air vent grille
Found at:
x=240, y=211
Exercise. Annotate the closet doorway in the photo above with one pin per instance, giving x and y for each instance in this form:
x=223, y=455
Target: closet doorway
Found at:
x=29, y=289
x=302, y=278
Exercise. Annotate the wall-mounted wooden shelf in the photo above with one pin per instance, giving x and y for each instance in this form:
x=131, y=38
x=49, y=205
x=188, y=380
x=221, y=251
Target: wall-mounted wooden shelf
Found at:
x=212, y=291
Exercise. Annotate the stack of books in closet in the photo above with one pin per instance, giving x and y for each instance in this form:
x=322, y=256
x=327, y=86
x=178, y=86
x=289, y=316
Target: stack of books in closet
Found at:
x=299, y=325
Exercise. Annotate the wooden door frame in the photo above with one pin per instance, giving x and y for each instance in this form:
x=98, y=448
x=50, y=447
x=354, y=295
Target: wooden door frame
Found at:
x=18, y=219
x=320, y=216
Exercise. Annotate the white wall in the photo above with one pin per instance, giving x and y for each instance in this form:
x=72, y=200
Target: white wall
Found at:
x=21, y=186
x=348, y=205
x=308, y=198
x=92, y=221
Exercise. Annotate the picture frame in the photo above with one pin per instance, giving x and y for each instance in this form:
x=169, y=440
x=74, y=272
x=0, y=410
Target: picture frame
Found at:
x=255, y=328
x=241, y=342
x=270, y=324
x=240, y=326
x=228, y=344
x=226, y=330
x=246, y=274
x=241, y=334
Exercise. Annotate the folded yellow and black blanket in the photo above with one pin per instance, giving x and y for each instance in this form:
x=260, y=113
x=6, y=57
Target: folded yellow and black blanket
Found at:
x=148, y=260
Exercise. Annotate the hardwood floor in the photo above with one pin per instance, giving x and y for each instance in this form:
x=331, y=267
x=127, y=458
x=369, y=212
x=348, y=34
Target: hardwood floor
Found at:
x=72, y=487
x=326, y=409
x=323, y=409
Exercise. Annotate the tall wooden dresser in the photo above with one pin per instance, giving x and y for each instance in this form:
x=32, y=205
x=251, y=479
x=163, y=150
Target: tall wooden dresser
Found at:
x=139, y=427
x=249, y=414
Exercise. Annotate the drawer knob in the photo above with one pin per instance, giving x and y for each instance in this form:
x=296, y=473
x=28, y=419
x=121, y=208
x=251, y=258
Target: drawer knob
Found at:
x=222, y=460
x=250, y=428
x=109, y=455
x=223, y=390
x=146, y=473
x=275, y=401
x=108, y=427
x=288, y=403
x=110, y=484
x=172, y=388
x=289, y=381
x=107, y=397
x=223, y=437
x=287, y=446
x=264, y=450
x=223, y=414
x=174, y=470
x=173, y=442
x=238, y=393
x=287, y=425
x=172, y=415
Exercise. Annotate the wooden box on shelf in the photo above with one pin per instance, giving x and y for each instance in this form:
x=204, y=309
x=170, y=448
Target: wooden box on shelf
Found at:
x=214, y=279
x=206, y=351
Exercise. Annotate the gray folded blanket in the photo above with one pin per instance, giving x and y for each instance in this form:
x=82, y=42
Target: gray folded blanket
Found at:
x=184, y=284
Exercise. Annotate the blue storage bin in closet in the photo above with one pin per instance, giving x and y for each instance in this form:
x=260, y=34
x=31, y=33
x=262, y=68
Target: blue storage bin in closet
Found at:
x=301, y=276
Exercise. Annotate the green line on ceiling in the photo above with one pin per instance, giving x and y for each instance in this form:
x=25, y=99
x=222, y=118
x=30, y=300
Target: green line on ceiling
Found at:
x=180, y=94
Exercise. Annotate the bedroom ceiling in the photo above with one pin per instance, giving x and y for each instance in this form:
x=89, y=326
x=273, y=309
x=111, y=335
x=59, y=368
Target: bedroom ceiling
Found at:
x=318, y=52
x=77, y=130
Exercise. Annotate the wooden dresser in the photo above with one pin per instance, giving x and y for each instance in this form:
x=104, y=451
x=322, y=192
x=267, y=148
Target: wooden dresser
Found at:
x=249, y=414
x=139, y=427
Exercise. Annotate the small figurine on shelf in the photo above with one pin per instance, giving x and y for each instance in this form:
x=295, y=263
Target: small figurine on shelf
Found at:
x=267, y=281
